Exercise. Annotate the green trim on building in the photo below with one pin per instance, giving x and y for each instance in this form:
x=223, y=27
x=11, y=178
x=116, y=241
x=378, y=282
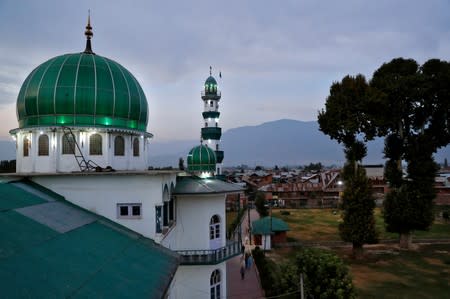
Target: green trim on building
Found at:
x=196, y=185
x=211, y=133
x=211, y=114
x=201, y=158
x=82, y=89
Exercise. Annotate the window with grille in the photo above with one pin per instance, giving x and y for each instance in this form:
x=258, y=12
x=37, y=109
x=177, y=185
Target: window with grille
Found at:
x=119, y=146
x=26, y=146
x=136, y=147
x=95, y=144
x=129, y=210
x=43, y=145
x=68, y=144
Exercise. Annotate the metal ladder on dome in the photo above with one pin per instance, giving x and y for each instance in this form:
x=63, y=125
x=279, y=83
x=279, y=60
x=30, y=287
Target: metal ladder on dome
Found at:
x=78, y=154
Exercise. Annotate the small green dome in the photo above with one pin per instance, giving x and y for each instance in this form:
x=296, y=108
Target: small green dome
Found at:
x=211, y=85
x=82, y=89
x=201, y=158
x=210, y=80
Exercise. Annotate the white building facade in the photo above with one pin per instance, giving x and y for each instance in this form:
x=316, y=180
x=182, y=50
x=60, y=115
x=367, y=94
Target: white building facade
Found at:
x=82, y=134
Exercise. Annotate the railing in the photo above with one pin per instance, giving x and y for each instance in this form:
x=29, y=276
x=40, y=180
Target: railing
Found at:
x=209, y=257
x=211, y=94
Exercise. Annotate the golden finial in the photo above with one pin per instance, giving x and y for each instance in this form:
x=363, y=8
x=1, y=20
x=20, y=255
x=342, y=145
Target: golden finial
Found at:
x=88, y=32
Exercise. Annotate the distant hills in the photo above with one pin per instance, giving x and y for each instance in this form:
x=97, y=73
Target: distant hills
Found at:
x=281, y=142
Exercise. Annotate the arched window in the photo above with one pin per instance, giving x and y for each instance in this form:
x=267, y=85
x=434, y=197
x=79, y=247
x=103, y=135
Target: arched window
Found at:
x=43, y=145
x=95, y=144
x=136, y=147
x=214, y=283
x=68, y=144
x=119, y=146
x=214, y=227
x=26, y=146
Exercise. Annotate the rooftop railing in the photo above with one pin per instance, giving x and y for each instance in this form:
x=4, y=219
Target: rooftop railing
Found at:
x=209, y=257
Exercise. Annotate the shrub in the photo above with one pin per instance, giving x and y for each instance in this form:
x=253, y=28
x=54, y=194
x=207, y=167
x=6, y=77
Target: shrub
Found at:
x=325, y=275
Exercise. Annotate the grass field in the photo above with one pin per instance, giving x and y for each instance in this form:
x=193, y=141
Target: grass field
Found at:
x=386, y=271
x=422, y=273
x=322, y=225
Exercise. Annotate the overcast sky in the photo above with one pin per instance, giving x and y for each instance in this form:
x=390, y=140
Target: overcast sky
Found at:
x=277, y=58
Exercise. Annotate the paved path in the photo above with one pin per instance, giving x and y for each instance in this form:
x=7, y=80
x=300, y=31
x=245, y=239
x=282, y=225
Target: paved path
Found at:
x=249, y=287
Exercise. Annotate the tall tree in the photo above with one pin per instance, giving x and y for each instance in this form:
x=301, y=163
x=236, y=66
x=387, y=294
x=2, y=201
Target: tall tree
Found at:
x=345, y=117
x=181, y=164
x=413, y=113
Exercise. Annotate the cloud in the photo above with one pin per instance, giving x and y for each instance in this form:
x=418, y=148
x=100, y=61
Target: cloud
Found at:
x=285, y=52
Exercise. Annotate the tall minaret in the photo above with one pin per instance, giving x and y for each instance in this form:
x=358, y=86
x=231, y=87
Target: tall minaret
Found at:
x=211, y=132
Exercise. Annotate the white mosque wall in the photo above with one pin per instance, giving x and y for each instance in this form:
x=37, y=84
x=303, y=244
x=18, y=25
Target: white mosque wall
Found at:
x=103, y=193
x=193, y=216
x=56, y=161
x=192, y=282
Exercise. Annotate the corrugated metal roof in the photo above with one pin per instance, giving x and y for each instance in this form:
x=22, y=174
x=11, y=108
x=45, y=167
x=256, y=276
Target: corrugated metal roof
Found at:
x=192, y=184
x=264, y=227
x=76, y=254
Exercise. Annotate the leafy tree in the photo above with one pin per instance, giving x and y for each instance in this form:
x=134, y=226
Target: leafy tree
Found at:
x=8, y=166
x=325, y=275
x=181, y=164
x=260, y=204
x=313, y=167
x=414, y=105
x=347, y=115
x=358, y=226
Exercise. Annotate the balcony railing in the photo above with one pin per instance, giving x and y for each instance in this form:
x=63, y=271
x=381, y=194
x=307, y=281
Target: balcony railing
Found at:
x=209, y=257
x=211, y=95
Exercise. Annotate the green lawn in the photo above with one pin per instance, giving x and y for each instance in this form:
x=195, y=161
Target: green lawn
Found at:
x=322, y=225
x=422, y=273
x=386, y=271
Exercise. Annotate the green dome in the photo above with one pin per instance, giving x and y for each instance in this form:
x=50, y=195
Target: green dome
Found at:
x=201, y=158
x=82, y=89
x=210, y=80
x=211, y=86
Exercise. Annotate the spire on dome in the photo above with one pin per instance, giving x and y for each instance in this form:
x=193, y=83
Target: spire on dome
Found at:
x=210, y=70
x=88, y=32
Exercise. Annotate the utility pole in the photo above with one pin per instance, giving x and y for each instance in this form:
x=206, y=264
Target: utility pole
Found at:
x=302, y=296
x=239, y=210
x=249, y=226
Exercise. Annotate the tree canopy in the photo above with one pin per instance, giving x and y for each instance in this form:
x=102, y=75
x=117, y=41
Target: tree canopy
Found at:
x=346, y=118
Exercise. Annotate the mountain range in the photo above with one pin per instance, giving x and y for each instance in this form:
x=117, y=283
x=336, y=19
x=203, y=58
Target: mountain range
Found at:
x=281, y=142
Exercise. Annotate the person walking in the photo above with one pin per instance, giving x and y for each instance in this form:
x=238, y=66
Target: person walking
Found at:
x=242, y=269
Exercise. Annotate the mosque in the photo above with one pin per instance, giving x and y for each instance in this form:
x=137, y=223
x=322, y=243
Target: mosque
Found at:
x=82, y=140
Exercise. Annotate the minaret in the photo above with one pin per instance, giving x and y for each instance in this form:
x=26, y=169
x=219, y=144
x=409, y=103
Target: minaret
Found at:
x=211, y=132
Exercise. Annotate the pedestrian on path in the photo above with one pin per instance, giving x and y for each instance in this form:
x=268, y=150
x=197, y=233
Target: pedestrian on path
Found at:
x=242, y=269
x=250, y=261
